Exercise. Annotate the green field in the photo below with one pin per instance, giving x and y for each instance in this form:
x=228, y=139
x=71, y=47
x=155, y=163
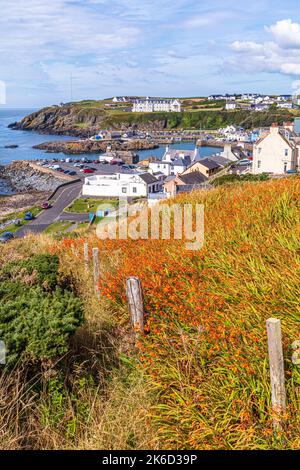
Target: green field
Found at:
x=58, y=227
x=85, y=205
x=18, y=215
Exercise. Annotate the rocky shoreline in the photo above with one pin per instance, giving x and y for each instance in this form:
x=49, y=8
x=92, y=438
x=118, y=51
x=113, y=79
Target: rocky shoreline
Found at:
x=27, y=176
x=77, y=147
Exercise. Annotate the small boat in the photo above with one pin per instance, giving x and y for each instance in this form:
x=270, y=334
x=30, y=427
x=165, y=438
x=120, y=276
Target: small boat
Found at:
x=11, y=146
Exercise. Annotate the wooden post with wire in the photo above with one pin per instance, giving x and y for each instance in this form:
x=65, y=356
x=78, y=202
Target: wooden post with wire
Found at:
x=276, y=371
x=96, y=271
x=135, y=300
x=86, y=256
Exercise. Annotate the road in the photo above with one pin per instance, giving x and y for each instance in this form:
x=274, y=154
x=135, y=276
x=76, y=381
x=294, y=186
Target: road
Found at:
x=63, y=198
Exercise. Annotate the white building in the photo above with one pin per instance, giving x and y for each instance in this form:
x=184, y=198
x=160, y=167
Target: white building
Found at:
x=121, y=184
x=230, y=105
x=174, y=161
x=150, y=105
x=277, y=151
x=285, y=105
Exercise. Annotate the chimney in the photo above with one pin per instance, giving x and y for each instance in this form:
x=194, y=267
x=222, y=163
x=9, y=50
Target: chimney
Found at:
x=274, y=128
x=289, y=125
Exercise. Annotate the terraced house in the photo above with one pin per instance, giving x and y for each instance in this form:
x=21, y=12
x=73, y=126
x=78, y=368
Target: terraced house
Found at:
x=277, y=151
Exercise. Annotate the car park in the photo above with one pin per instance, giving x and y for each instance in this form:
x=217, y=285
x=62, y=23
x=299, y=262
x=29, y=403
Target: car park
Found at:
x=88, y=170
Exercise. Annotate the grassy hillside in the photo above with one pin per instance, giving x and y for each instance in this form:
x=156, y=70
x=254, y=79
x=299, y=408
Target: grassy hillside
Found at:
x=203, y=116
x=87, y=117
x=199, y=378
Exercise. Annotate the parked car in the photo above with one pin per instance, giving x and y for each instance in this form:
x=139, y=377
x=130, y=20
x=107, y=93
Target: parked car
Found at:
x=72, y=173
x=46, y=205
x=88, y=170
x=28, y=216
x=6, y=237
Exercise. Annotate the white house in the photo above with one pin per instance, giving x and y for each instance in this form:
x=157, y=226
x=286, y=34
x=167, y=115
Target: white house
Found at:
x=277, y=151
x=150, y=105
x=285, y=105
x=174, y=161
x=121, y=184
x=230, y=105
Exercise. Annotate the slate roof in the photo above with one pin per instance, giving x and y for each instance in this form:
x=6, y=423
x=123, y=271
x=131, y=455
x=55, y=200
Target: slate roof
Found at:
x=192, y=187
x=210, y=164
x=195, y=177
x=170, y=178
x=220, y=160
x=186, y=161
x=148, y=178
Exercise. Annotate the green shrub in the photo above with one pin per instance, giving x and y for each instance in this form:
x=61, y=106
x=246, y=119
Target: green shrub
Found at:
x=225, y=179
x=37, y=315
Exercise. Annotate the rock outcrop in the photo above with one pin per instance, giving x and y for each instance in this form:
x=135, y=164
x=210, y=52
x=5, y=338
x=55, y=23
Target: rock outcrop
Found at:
x=76, y=147
x=26, y=176
x=77, y=120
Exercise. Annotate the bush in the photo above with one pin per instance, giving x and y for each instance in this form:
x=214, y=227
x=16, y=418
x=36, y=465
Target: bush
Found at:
x=225, y=179
x=37, y=315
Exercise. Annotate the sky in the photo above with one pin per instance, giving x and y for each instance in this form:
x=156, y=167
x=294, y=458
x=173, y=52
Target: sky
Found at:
x=145, y=47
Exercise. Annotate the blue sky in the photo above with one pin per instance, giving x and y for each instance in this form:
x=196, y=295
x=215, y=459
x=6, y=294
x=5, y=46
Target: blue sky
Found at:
x=146, y=47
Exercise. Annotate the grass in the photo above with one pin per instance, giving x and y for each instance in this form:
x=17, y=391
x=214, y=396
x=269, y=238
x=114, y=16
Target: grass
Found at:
x=58, y=227
x=199, y=378
x=18, y=215
x=84, y=205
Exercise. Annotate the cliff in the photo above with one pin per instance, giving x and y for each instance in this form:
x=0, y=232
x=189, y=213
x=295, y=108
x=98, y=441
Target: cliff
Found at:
x=86, y=118
x=82, y=120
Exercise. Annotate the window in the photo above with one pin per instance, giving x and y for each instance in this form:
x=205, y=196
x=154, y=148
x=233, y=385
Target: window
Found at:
x=134, y=190
x=286, y=152
x=258, y=164
x=285, y=168
x=124, y=190
x=259, y=150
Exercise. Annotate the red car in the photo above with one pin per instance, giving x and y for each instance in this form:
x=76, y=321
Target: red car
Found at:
x=88, y=170
x=46, y=205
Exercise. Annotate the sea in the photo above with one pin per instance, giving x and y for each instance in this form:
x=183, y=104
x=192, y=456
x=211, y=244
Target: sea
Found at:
x=25, y=140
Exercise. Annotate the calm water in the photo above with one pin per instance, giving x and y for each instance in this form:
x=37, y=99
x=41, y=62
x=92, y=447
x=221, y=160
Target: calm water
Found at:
x=158, y=153
x=26, y=139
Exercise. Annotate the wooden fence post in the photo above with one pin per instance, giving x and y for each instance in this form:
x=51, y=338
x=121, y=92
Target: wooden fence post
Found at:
x=276, y=370
x=86, y=256
x=96, y=271
x=135, y=302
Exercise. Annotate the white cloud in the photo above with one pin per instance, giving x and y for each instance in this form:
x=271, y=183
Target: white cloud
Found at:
x=208, y=18
x=280, y=55
x=286, y=33
x=247, y=46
